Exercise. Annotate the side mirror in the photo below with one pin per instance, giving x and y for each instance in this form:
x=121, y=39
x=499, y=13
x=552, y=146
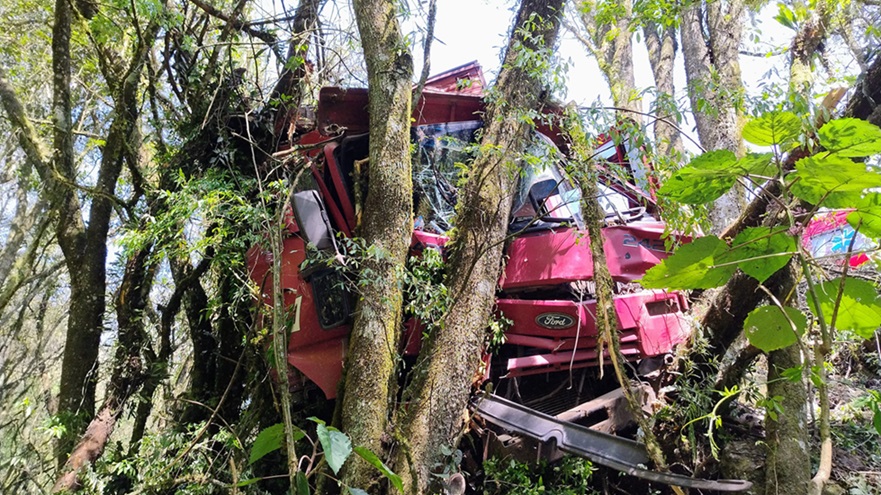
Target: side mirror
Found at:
x=312, y=219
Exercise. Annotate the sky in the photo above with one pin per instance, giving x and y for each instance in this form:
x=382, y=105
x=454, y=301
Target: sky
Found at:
x=468, y=30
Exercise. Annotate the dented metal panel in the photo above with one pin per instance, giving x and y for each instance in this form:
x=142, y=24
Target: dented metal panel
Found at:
x=627, y=456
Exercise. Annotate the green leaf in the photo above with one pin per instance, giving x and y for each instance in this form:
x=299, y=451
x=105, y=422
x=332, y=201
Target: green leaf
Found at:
x=876, y=420
x=773, y=128
x=785, y=16
x=793, y=374
x=756, y=164
x=303, y=484
x=268, y=440
x=692, y=266
x=376, y=462
x=760, y=251
x=693, y=186
x=867, y=216
x=249, y=481
x=868, y=220
x=705, y=178
x=768, y=328
x=720, y=160
x=860, y=308
x=837, y=182
x=850, y=137
x=336, y=444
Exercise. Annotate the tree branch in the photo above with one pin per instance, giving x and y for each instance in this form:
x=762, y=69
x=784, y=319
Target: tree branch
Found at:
x=33, y=146
x=236, y=23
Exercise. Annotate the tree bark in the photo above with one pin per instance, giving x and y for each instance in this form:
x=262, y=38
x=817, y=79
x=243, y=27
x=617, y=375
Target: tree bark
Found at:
x=612, y=47
x=85, y=253
x=711, y=33
x=292, y=83
x=387, y=227
x=662, y=47
x=437, y=397
x=788, y=467
x=128, y=368
x=805, y=46
x=201, y=379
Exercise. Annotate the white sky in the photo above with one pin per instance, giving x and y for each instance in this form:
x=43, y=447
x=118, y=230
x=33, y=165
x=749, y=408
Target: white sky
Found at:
x=468, y=30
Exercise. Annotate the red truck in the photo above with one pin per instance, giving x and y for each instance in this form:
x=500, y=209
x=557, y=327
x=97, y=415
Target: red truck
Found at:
x=546, y=368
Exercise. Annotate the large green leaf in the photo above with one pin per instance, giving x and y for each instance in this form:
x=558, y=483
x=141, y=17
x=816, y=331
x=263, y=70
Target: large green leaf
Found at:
x=860, y=308
x=303, y=484
x=839, y=180
x=773, y=128
x=867, y=220
x=269, y=440
x=867, y=217
x=376, y=462
x=336, y=445
x=693, y=186
x=769, y=329
x=850, y=137
x=756, y=164
x=760, y=252
x=720, y=160
x=692, y=266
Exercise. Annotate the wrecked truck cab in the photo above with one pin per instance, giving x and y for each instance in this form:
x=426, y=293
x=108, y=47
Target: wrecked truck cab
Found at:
x=545, y=289
x=545, y=371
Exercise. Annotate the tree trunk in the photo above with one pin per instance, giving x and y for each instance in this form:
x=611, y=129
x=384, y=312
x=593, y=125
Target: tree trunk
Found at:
x=128, y=368
x=387, y=227
x=612, y=47
x=85, y=253
x=788, y=467
x=711, y=33
x=291, y=86
x=662, y=47
x=437, y=397
x=202, y=371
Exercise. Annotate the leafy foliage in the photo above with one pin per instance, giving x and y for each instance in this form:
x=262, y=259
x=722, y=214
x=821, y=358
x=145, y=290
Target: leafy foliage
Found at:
x=692, y=266
x=570, y=476
x=761, y=251
x=851, y=304
x=850, y=138
x=770, y=327
x=773, y=129
x=336, y=444
x=829, y=179
x=270, y=440
x=376, y=462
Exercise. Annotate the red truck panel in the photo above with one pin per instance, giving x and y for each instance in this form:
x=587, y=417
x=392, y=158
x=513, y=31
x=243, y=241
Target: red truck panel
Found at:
x=551, y=258
x=317, y=353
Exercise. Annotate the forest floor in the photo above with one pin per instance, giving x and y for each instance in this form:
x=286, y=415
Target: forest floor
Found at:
x=857, y=441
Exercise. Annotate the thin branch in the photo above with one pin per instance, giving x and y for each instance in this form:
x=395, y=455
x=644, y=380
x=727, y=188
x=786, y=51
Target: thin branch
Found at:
x=236, y=23
x=772, y=53
x=665, y=120
x=31, y=143
x=426, y=53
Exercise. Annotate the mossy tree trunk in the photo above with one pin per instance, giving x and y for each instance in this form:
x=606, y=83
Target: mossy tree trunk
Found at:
x=386, y=228
x=610, y=41
x=436, y=399
x=711, y=33
x=661, y=43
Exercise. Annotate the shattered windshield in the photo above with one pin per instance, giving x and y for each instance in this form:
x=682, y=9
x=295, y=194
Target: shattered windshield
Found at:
x=439, y=148
x=545, y=198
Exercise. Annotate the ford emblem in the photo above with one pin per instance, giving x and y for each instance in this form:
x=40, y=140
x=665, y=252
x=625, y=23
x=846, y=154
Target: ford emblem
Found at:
x=554, y=321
